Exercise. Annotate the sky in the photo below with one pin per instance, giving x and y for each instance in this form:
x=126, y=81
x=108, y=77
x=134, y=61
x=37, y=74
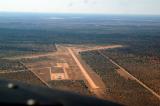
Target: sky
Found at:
x=83, y=6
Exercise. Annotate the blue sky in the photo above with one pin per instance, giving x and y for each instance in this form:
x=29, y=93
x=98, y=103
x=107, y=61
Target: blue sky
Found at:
x=83, y=6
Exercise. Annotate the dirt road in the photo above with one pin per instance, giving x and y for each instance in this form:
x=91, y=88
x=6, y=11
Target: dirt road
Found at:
x=7, y=72
x=29, y=56
x=88, y=78
x=101, y=48
x=130, y=75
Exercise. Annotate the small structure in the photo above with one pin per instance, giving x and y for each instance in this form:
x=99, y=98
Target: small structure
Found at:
x=64, y=65
x=57, y=73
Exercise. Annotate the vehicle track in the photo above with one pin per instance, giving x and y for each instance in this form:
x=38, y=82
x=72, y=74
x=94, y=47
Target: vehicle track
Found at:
x=130, y=75
x=36, y=75
x=7, y=72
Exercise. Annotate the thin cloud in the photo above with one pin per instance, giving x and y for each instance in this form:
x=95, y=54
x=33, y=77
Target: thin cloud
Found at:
x=85, y=1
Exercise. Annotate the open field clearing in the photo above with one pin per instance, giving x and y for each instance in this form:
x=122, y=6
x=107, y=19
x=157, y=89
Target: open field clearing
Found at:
x=113, y=57
x=70, y=65
x=86, y=69
x=57, y=69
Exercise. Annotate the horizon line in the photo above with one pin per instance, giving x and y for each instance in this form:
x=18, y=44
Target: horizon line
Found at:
x=79, y=13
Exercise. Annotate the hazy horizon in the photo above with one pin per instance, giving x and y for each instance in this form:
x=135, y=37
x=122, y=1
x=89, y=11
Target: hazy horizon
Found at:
x=63, y=13
x=127, y=7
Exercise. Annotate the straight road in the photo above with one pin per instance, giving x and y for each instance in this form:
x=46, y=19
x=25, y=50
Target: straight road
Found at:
x=36, y=74
x=29, y=56
x=8, y=72
x=84, y=72
x=102, y=48
x=130, y=75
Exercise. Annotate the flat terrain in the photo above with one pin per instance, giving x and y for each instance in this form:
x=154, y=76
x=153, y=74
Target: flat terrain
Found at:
x=14, y=70
x=125, y=73
x=88, y=70
x=121, y=86
x=77, y=70
x=97, y=88
x=145, y=68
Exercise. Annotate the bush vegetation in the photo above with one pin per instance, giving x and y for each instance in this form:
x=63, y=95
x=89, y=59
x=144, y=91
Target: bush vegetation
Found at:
x=127, y=92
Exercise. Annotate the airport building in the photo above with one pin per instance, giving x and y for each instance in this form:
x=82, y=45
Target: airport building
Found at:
x=57, y=73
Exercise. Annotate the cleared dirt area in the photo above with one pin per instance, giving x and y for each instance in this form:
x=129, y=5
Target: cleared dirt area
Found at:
x=65, y=69
x=93, y=81
x=45, y=69
x=30, y=56
x=92, y=48
x=88, y=78
x=73, y=68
